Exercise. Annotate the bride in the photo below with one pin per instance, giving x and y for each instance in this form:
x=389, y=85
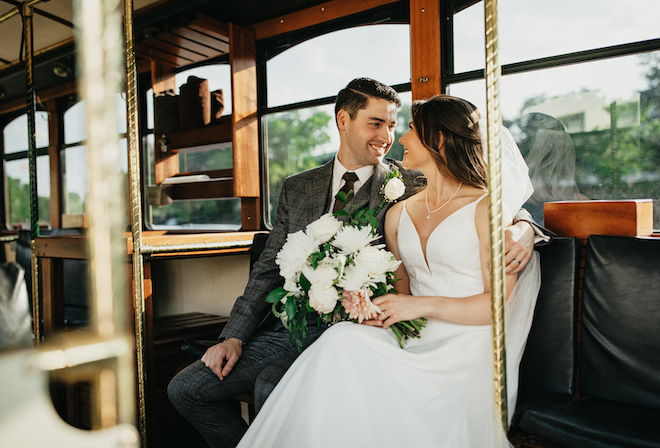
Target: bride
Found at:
x=354, y=387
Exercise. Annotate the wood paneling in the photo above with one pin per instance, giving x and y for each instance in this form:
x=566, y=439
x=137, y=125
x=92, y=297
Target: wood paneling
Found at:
x=245, y=130
x=425, y=48
x=73, y=247
x=313, y=16
x=250, y=213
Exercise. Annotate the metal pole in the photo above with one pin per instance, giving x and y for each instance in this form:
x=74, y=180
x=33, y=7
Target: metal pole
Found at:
x=497, y=264
x=135, y=198
x=31, y=102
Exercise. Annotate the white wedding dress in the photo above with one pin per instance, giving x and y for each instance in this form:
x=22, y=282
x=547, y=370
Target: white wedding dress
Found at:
x=355, y=387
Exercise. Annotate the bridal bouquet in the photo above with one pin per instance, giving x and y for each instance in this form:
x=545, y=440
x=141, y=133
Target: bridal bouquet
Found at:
x=332, y=271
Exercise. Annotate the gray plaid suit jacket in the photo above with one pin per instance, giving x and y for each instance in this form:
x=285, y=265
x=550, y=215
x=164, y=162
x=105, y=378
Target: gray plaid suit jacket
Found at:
x=304, y=198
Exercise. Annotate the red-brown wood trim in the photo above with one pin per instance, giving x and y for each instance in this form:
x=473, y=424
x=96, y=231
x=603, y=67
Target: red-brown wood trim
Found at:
x=314, y=15
x=425, y=24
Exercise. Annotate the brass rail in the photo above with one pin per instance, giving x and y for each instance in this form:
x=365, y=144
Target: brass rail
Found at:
x=135, y=201
x=497, y=263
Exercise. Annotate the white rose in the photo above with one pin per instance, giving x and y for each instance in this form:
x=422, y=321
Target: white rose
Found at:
x=351, y=239
x=324, y=228
x=321, y=277
x=394, y=189
x=292, y=258
x=323, y=300
x=376, y=261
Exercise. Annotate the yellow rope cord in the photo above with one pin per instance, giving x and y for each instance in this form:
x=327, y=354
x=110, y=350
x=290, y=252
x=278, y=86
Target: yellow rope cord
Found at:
x=498, y=285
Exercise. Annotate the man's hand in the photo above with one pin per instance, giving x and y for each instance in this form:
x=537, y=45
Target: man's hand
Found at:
x=518, y=246
x=222, y=357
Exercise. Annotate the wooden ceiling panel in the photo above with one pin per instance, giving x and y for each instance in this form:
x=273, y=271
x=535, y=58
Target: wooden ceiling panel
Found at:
x=203, y=39
x=190, y=45
x=154, y=54
x=197, y=40
x=181, y=51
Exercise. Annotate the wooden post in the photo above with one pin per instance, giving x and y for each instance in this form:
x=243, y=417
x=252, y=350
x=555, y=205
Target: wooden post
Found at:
x=425, y=24
x=245, y=125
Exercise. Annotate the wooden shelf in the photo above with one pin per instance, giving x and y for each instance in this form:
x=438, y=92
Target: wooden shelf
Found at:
x=217, y=133
x=241, y=128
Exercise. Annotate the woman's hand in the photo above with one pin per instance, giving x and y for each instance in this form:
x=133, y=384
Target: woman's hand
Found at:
x=398, y=307
x=518, y=246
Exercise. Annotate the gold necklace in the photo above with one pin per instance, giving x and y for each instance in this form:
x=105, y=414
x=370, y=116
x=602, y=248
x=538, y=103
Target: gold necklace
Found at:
x=426, y=199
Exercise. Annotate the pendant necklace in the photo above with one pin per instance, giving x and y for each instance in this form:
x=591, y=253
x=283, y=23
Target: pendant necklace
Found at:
x=426, y=197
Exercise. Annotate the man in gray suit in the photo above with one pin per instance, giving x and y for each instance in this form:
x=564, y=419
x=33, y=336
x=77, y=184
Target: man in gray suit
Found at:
x=254, y=352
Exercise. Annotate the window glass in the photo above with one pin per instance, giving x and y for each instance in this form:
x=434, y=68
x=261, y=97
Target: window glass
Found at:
x=604, y=116
x=16, y=133
x=218, y=214
x=17, y=171
x=306, y=138
x=75, y=184
x=150, y=109
x=75, y=126
x=18, y=191
x=74, y=179
x=298, y=140
x=205, y=158
x=542, y=28
x=322, y=66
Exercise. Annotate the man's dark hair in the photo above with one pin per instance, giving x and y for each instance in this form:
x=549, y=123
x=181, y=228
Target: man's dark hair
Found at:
x=355, y=95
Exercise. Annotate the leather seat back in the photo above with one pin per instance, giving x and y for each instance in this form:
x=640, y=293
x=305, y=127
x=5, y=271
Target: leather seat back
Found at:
x=549, y=360
x=620, y=337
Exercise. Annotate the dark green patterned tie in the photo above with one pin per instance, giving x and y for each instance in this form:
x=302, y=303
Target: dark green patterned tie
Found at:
x=350, y=179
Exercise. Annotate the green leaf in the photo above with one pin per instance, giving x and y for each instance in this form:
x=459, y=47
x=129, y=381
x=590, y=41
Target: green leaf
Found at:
x=304, y=283
x=276, y=295
x=290, y=307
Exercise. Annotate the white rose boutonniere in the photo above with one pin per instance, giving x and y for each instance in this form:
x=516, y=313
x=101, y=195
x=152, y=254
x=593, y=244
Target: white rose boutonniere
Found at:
x=393, y=188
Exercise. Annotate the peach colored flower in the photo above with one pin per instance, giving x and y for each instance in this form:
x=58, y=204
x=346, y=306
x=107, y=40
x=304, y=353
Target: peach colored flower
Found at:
x=358, y=305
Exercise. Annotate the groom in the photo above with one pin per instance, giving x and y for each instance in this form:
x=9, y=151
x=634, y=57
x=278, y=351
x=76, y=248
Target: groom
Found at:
x=254, y=352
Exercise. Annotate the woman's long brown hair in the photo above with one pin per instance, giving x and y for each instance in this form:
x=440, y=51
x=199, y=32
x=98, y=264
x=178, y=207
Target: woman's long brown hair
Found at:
x=458, y=120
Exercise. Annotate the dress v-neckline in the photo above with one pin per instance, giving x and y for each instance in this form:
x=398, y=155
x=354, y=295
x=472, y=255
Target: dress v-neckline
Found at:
x=424, y=247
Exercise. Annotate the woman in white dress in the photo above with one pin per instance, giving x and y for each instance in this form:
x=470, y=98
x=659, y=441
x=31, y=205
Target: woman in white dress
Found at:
x=355, y=387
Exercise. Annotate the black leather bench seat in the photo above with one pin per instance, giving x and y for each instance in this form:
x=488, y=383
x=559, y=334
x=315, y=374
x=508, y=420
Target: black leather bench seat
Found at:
x=617, y=403
x=595, y=424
